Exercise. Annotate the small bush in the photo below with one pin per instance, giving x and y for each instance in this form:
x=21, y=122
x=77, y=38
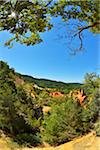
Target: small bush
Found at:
x=28, y=139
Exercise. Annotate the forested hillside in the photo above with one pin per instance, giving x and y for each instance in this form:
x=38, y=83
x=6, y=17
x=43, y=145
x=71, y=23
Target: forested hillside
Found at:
x=63, y=87
x=35, y=111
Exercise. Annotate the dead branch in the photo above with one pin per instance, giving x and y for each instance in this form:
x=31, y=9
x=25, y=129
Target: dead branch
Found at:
x=81, y=29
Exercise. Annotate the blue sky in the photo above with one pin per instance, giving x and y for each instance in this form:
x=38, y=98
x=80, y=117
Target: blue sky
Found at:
x=51, y=59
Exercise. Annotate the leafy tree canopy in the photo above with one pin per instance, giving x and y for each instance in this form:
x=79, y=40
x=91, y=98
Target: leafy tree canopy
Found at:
x=27, y=19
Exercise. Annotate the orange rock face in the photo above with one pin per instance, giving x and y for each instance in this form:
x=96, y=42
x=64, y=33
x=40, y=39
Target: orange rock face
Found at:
x=78, y=95
x=46, y=109
x=19, y=81
x=56, y=94
x=33, y=96
x=81, y=97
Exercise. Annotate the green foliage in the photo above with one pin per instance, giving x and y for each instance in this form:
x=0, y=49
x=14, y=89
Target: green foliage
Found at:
x=17, y=116
x=92, y=80
x=92, y=86
x=27, y=19
x=92, y=90
x=63, y=123
x=24, y=19
x=28, y=139
x=97, y=128
x=22, y=118
x=68, y=120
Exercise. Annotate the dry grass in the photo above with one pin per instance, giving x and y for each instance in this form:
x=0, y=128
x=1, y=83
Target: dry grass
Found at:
x=6, y=143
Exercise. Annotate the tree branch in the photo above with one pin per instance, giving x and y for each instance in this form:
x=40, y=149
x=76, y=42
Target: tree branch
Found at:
x=86, y=27
x=49, y=3
x=80, y=33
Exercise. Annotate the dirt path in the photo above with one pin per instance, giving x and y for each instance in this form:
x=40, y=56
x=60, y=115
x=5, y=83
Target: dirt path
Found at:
x=88, y=142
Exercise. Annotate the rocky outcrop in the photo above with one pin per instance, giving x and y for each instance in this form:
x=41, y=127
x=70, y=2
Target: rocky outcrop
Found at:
x=19, y=81
x=46, y=109
x=56, y=94
x=78, y=95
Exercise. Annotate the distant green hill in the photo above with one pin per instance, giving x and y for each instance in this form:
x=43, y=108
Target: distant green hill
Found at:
x=45, y=83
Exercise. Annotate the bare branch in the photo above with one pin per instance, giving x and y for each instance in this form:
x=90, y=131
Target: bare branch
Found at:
x=49, y=3
x=81, y=42
x=86, y=27
x=79, y=34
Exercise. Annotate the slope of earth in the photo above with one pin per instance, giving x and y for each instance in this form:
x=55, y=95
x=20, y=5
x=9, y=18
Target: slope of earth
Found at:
x=87, y=142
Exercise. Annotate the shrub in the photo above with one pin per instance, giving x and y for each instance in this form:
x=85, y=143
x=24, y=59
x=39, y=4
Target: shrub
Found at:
x=63, y=124
x=17, y=114
x=28, y=139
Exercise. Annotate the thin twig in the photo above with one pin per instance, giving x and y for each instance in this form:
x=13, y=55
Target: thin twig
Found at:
x=49, y=3
x=86, y=27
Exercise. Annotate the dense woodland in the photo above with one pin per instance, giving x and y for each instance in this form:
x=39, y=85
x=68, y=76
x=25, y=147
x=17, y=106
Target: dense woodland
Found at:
x=31, y=115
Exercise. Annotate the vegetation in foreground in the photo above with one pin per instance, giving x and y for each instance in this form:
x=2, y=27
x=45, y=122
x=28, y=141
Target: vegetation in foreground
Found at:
x=26, y=119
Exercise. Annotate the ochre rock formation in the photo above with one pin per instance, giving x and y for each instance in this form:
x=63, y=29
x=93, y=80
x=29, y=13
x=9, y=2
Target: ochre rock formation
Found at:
x=46, y=109
x=56, y=94
x=78, y=95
